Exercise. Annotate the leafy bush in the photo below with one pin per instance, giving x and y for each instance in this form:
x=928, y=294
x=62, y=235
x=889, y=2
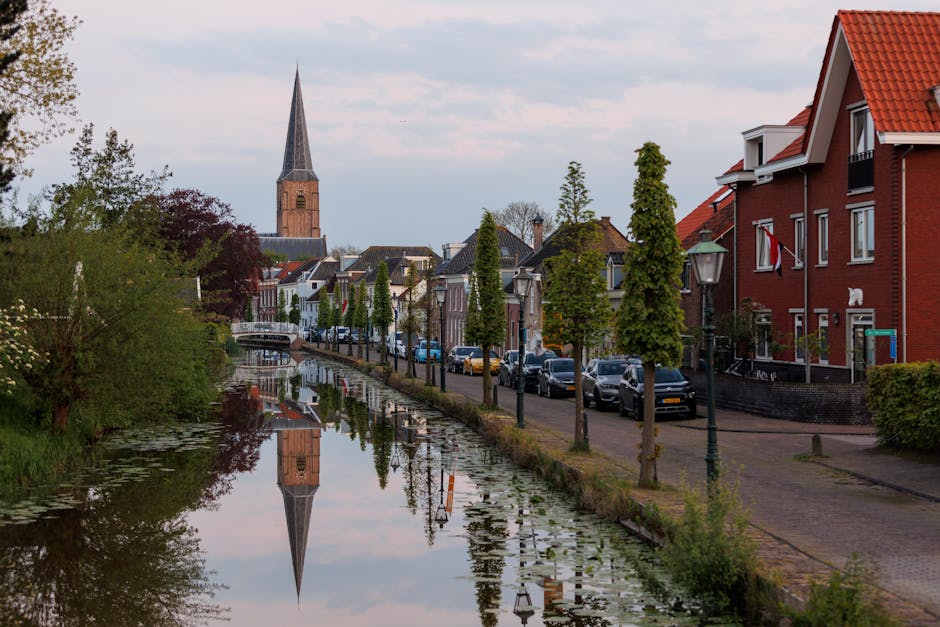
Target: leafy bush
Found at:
x=846, y=600
x=709, y=553
x=905, y=402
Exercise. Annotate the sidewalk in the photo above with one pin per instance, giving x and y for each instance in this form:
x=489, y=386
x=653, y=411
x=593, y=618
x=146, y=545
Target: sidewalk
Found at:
x=811, y=513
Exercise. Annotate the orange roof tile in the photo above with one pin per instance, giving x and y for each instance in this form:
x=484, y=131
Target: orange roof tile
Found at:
x=737, y=167
x=897, y=59
x=696, y=219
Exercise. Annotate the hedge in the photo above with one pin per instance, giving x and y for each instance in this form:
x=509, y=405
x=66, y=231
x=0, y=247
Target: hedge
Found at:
x=905, y=402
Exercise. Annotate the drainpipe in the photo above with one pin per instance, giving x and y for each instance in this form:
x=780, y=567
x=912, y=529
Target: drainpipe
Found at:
x=904, y=154
x=734, y=266
x=807, y=367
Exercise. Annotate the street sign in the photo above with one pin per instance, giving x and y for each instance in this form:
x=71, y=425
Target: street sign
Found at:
x=881, y=332
x=893, y=347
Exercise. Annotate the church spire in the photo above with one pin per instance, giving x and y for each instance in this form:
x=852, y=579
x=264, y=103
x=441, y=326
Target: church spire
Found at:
x=298, y=166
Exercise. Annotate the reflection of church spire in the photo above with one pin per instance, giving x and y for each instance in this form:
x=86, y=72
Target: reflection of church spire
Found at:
x=298, y=476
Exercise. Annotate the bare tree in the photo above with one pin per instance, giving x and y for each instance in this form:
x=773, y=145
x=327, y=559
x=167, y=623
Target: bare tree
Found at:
x=517, y=216
x=344, y=249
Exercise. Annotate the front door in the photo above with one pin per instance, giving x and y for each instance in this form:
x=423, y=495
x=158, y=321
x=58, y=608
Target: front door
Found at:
x=862, y=346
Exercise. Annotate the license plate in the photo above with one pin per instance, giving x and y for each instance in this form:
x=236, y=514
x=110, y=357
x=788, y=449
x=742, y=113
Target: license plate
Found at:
x=671, y=400
x=571, y=388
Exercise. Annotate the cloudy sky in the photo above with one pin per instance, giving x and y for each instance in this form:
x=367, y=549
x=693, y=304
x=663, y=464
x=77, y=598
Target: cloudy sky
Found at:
x=422, y=112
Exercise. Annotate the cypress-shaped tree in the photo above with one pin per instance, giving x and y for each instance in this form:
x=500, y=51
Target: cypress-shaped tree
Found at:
x=382, y=306
x=489, y=324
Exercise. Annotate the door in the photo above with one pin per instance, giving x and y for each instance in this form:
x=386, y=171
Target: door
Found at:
x=862, y=346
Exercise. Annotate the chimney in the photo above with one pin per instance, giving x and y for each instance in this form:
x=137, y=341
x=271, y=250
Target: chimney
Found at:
x=537, y=232
x=605, y=220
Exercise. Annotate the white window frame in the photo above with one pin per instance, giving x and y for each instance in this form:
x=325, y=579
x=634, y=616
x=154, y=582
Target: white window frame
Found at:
x=799, y=330
x=863, y=130
x=763, y=335
x=822, y=325
x=762, y=245
x=863, y=228
x=686, y=276
x=799, y=241
x=822, y=239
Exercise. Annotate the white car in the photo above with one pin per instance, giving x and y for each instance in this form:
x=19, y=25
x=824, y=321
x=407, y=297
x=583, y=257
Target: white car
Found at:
x=395, y=344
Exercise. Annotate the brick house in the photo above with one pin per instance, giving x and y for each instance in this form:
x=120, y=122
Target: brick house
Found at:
x=850, y=188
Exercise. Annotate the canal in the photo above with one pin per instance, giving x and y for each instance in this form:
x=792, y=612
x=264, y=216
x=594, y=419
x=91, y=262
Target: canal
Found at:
x=318, y=496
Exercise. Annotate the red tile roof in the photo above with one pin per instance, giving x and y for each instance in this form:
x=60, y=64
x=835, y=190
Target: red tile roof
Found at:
x=897, y=59
x=691, y=224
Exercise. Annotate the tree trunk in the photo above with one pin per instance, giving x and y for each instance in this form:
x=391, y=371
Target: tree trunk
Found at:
x=60, y=414
x=579, y=441
x=648, y=442
x=487, y=384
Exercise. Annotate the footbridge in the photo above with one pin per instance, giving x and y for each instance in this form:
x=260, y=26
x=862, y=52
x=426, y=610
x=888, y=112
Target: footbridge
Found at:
x=275, y=334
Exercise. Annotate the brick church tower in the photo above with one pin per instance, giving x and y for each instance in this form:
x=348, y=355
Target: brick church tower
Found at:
x=298, y=188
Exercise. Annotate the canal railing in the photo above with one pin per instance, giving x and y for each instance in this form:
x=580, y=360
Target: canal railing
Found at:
x=268, y=333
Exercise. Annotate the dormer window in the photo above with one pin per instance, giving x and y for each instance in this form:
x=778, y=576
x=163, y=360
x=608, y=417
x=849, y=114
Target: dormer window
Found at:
x=754, y=154
x=863, y=131
x=861, y=151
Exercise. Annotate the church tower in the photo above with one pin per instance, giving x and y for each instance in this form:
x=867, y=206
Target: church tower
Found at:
x=298, y=188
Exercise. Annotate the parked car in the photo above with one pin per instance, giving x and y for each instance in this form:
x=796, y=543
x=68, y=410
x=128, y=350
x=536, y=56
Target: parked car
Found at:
x=473, y=363
x=674, y=392
x=507, y=368
x=556, y=377
x=531, y=365
x=354, y=336
x=601, y=380
x=337, y=334
x=422, y=352
x=456, y=356
x=394, y=345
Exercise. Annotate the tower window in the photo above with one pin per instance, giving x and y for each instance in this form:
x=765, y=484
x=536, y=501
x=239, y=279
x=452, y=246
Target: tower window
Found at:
x=301, y=201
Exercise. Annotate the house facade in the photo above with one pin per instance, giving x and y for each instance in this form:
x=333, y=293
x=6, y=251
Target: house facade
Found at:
x=847, y=192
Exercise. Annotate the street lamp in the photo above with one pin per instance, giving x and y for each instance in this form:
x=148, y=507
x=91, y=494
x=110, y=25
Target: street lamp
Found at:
x=440, y=293
x=441, y=517
x=395, y=337
x=367, y=301
x=522, y=283
x=707, y=257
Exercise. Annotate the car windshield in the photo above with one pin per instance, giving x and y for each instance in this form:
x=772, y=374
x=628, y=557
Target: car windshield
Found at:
x=463, y=350
x=477, y=352
x=435, y=346
x=611, y=368
x=664, y=375
x=562, y=365
x=533, y=359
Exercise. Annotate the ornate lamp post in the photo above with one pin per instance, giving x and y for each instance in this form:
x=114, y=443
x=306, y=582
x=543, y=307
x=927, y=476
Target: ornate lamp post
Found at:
x=441, y=517
x=395, y=337
x=707, y=257
x=522, y=283
x=440, y=293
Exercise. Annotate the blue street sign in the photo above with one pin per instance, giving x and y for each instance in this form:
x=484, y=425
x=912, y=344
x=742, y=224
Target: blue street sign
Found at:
x=893, y=347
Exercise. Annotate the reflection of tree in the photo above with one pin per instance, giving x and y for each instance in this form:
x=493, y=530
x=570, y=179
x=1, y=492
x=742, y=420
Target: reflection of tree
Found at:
x=126, y=556
x=486, y=541
x=411, y=477
x=382, y=436
x=358, y=414
x=329, y=401
x=240, y=444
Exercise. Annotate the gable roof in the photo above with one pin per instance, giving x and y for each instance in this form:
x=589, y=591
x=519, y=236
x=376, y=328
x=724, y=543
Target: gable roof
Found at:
x=369, y=259
x=512, y=249
x=294, y=247
x=612, y=240
x=703, y=216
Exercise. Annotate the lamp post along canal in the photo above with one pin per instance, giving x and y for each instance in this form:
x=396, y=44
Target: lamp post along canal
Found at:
x=368, y=331
x=440, y=293
x=707, y=258
x=522, y=283
x=394, y=341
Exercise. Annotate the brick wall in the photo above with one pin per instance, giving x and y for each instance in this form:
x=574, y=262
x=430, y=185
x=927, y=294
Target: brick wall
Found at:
x=821, y=403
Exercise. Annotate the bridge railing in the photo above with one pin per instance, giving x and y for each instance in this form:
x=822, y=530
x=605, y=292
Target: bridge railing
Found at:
x=240, y=328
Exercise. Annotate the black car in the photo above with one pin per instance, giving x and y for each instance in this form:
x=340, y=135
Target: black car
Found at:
x=556, y=377
x=530, y=368
x=674, y=393
x=456, y=356
x=600, y=381
x=507, y=368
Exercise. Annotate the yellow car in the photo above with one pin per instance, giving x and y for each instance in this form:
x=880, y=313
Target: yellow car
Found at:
x=473, y=363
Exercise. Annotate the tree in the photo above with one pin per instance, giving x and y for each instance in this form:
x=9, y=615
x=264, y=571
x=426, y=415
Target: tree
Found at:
x=323, y=313
x=281, y=314
x=489, y=318
x=382, y=304
x=17, y=354
x=293, y=315
x=577, y=310
x=650, y=321
x=225, y=254
x=518, y=215
x=344, y=249
x=361, y=320
x=410, y=325
x=10, y=15
x=39, y=91
x=349, y=316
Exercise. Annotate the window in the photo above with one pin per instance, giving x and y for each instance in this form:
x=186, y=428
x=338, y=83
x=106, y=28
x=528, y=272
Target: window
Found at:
x=823, y=326
x=799, y=241
x=763, y=245
x=863, y=234
x=798, y=334
x=687, y=276
x=301, y=201
x=822, y=229
x=863, y=131
x=762, y=335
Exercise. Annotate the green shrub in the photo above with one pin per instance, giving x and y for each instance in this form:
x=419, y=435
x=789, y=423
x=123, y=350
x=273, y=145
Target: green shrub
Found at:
x=709, y=553
x=846, y=600
x=905, y=402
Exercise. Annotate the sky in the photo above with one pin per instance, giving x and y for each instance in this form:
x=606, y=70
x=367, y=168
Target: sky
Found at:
x=421, y=113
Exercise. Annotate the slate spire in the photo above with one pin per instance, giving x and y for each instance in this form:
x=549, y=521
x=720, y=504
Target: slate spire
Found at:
x=298, y=166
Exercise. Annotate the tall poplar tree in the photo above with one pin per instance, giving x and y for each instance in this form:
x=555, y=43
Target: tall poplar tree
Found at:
x=360, y=319
x=382, y=306
x=323, y=314
x=577, y=310
x=489, y=324
x=650, y=321
x=410, y=325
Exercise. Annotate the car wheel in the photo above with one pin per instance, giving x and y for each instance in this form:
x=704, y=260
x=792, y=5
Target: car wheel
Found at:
x=585, y=400
x=621, y=407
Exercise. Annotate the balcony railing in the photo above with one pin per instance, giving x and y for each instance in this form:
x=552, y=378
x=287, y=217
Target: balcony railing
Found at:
x=862, y=170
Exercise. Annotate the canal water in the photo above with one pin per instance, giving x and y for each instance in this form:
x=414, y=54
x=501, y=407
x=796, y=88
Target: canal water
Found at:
x=318, y=496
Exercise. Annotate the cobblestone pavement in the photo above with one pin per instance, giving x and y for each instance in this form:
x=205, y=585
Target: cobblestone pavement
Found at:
x=857, y=498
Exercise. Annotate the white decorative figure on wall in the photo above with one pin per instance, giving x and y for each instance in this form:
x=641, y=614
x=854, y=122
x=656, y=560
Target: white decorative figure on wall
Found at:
x=855, y=297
